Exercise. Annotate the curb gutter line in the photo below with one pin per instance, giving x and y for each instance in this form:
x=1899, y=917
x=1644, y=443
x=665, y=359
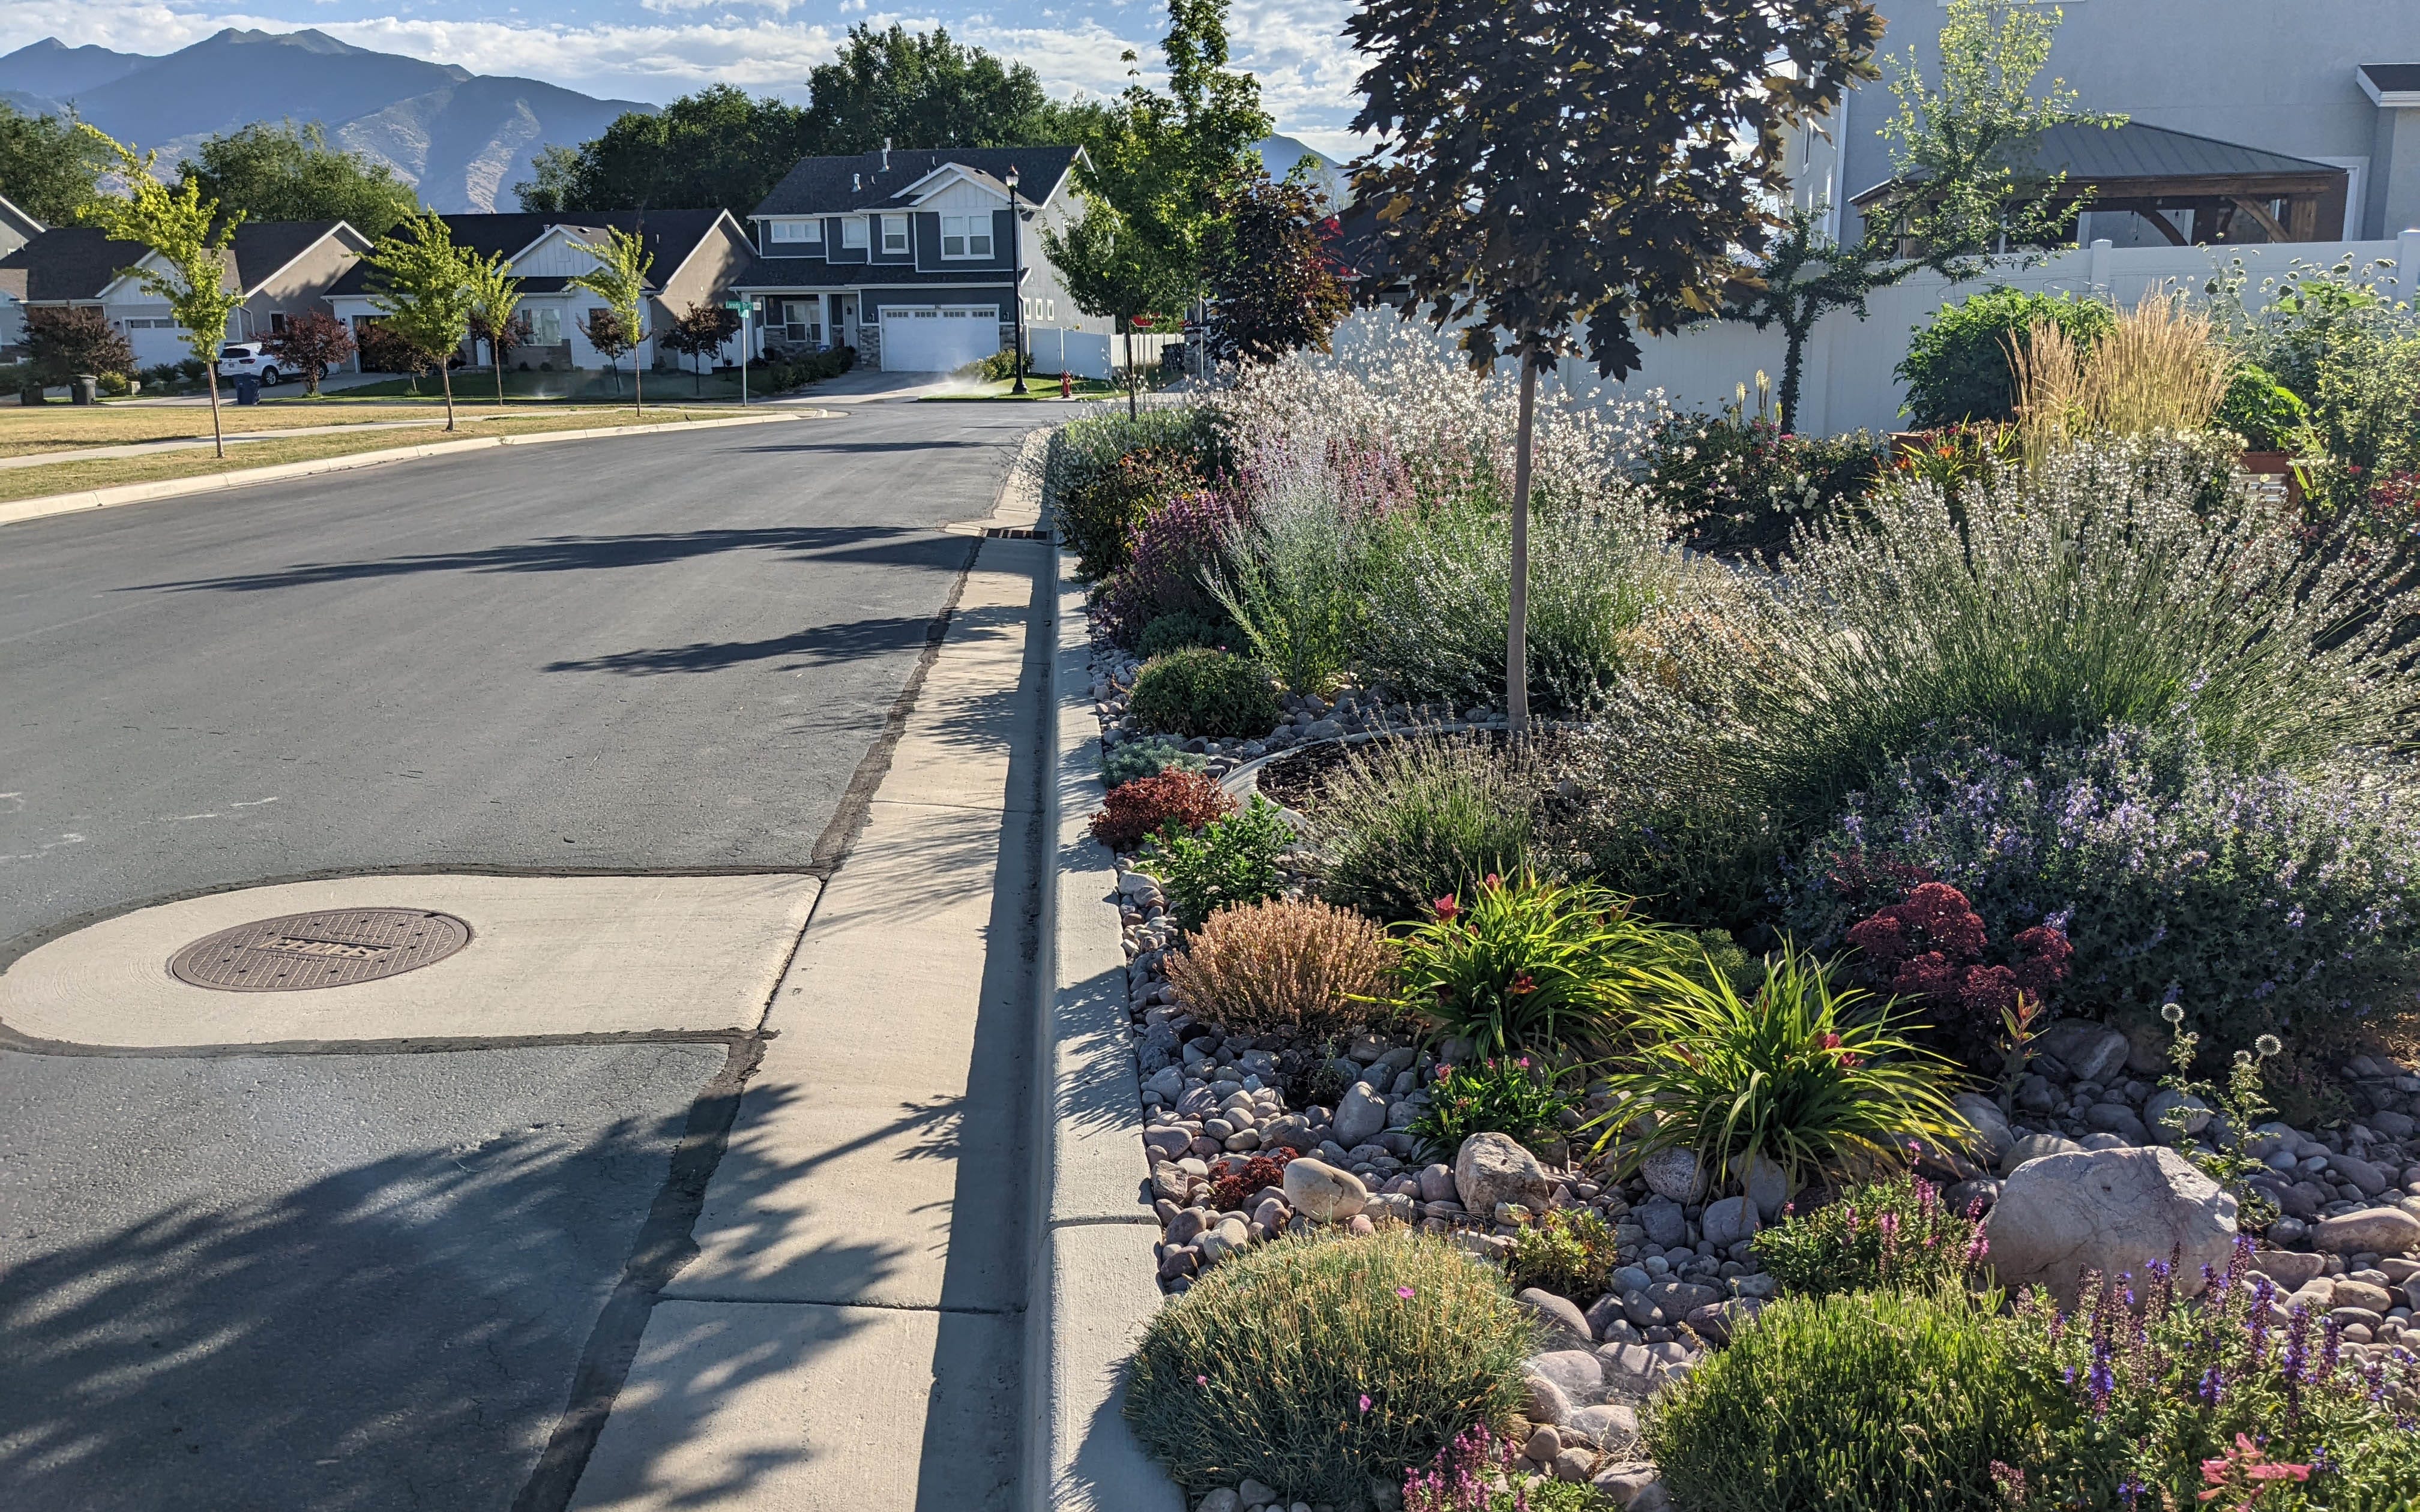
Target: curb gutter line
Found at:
x=17, y=511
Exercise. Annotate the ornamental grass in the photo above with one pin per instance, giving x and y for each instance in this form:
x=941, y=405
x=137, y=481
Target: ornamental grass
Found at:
x=1285, y=965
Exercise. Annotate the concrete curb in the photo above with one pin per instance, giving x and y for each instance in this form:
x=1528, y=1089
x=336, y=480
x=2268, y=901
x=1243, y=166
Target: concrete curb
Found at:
x=17, y=511
x=1092, y=1289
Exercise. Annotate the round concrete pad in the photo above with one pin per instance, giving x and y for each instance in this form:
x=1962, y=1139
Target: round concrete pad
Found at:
x=548, y=956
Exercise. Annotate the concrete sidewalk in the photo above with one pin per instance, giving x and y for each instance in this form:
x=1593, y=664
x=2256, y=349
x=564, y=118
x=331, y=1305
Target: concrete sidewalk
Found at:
x=851, y=1334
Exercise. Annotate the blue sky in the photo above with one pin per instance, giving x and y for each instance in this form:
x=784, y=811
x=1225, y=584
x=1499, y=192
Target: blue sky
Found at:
x=653, y=50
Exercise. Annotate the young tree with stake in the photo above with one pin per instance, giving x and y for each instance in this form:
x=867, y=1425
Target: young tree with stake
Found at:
x=700, y=333
x=422, y=290
x=1562, y=175
x=179, y=226
x=494, y=294
x=620, y=279
x=1272, y=274
x=611, y=337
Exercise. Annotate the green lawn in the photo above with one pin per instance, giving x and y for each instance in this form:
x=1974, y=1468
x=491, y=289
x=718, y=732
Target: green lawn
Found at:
x=475, y=384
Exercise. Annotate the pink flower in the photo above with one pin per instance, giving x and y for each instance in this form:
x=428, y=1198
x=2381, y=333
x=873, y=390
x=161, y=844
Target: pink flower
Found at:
x=1522, y=986
x=1406, y=1292
x=1202, y=1380
x=1446, y=907
x=1494, y=881
x=1365, y=1401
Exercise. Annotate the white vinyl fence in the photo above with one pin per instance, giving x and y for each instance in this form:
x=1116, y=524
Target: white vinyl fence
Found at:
x=1054, y=350
x=1848, y=382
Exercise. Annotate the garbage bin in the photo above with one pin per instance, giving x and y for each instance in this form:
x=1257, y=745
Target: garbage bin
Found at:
x=85, y=388
x=247, y=389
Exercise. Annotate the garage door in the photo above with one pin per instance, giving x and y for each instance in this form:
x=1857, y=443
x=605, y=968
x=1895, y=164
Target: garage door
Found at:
x=938, y=339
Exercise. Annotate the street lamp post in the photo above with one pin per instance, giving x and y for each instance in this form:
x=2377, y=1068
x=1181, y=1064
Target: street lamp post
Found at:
x=1016, y=276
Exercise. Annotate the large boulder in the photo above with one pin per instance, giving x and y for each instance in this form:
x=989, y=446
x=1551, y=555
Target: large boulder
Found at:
x=2091, y=1051
x=1492, y=1167
x=1360, y=1116
x=1993, y=1136
x=2033, y=1147
x=2370, y=1231
x=1676, y=1174
x=2108, y=1210
x=1322, y=1193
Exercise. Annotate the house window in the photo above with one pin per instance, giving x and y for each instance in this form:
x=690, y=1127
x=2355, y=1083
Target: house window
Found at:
x=852, y=234
x=277, y=323
x=966, y=236
x=811, y=233
x=895, y=233
x=546, y=327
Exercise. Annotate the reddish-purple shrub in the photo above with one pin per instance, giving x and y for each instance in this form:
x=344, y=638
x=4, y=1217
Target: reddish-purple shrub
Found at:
x=1931, y=946
x=1138, y=810
x=1230, y=1191
x=1174, y=548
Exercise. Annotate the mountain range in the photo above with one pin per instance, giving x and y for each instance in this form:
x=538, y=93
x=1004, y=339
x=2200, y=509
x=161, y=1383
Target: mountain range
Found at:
x=462, y=138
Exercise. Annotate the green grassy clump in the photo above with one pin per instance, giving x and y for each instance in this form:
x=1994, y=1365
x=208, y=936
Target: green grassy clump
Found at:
x=1200, y=692
x=1411, y=821
x=1314, y=1364
x=1569, y=1252
x=1878, y=1402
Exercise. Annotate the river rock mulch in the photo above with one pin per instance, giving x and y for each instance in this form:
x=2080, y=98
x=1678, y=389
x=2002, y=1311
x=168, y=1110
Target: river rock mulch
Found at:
x=1213, y=1104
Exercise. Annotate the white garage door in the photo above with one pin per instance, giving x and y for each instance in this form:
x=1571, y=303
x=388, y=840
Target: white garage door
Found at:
x=938, y=339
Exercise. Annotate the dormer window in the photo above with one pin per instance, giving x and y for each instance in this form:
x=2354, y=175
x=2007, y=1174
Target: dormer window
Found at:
x=966, y=236
x=804, y=233
x=894, y=234
x=852, y=234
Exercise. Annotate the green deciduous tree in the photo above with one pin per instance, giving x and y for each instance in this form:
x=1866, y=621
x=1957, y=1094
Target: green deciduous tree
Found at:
x=1804, y=275
x=494, y=295
x=1272, y=275
x=924, y=89
x=1964, y=154
x=1153, y=178
x=190, y=236
x=620, y=279
x=62, y=343
x=48, y=169
x=279, y=171
x=1558, y=176
x=421, y=286
x=717, y=149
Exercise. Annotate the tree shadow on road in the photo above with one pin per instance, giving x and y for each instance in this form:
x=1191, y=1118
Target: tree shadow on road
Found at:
x=874, y=545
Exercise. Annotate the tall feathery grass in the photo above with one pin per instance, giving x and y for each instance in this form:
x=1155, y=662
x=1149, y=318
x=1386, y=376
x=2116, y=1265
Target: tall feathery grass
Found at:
x=2160, y=368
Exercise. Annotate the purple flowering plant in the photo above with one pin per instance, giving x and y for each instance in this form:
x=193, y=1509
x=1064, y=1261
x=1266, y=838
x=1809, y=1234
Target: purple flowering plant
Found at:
x=2165, y=1383
x=2255, y=900
x=1897, y=1233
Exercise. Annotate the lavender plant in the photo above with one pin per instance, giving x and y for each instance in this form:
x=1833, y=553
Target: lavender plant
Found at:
x=2177, y=1399
x=2255, y=901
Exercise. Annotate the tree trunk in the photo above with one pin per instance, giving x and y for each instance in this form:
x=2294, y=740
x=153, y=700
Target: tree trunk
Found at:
x=1793, y=365
x=497, y=352
x=638, y=391
x=218, y=440
x=1516, y=635
x=445, y=381
x=1130, y=371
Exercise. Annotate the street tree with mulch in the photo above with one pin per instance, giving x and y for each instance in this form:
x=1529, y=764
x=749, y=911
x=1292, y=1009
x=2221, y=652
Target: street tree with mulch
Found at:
x=311, y=344
x=700, y=333
x=1557, y=176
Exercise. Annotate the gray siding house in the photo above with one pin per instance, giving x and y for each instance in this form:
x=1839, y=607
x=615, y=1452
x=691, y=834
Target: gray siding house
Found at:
x=916, y=259
x=2328, y=83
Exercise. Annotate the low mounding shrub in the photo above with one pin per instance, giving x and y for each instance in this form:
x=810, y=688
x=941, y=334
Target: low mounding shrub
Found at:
x=1313, y=1364
x=1180, y=631
x=1507, y=1095
x=1407, y=822
x=1928, y=948
x=1233, y=862
x=1134, y=811
x=2257, y=901
x=1958, y=367
x=1569, y=1251
x=2267, y=414
x=1287, y=964
x=1132, y=759
x=1178, y=550
x=1896, y=1235
x=1530, y=964
x=1814, y=1077
x=1740, y=484
x=1096, y=495
x=2214, y=1402
x=1240, y=1184
x=1204, y=692
x=1884, y=1401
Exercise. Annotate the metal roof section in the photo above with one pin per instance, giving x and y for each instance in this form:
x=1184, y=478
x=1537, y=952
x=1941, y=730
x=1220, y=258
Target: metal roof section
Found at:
x=2117, y=154
x=2392, y=86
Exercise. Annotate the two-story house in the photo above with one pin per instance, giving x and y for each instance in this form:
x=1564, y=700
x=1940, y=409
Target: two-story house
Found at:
x=916, y=259
x=2249, y=118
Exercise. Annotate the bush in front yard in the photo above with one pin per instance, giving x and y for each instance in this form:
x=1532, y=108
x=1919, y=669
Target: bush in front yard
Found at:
x=1958, y=369
x=1876, y=1402
x=1897, y=1234
x=1199, y=691
x=1313, y=1364
x=1408, y=822
x=1287, y=964
x=1136, y=810
x=1233, y=861
x=1123, y=763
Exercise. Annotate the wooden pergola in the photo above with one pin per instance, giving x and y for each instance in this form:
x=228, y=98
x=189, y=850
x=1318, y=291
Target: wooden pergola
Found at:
x=2230, y=194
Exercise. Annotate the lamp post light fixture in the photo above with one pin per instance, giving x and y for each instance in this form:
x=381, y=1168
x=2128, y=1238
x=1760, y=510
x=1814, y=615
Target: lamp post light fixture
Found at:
x=1016, y=277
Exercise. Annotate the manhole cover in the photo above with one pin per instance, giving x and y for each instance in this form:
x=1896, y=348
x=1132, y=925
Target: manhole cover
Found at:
x=332, y=949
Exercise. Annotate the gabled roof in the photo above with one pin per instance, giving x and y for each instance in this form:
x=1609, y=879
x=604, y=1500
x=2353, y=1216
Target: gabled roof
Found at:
x=67, y=262
x=2094, y=155
x=833, y=186
x=767, y=274
x=940, y=179
x=18, y=221
x=2393, y=85
x=670, y=235
x=260, y=250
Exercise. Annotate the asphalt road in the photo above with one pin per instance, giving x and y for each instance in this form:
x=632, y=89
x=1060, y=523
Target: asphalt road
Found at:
x=366, y=1281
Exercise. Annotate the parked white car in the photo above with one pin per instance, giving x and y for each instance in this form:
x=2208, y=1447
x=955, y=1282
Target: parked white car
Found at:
x=239, y=357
